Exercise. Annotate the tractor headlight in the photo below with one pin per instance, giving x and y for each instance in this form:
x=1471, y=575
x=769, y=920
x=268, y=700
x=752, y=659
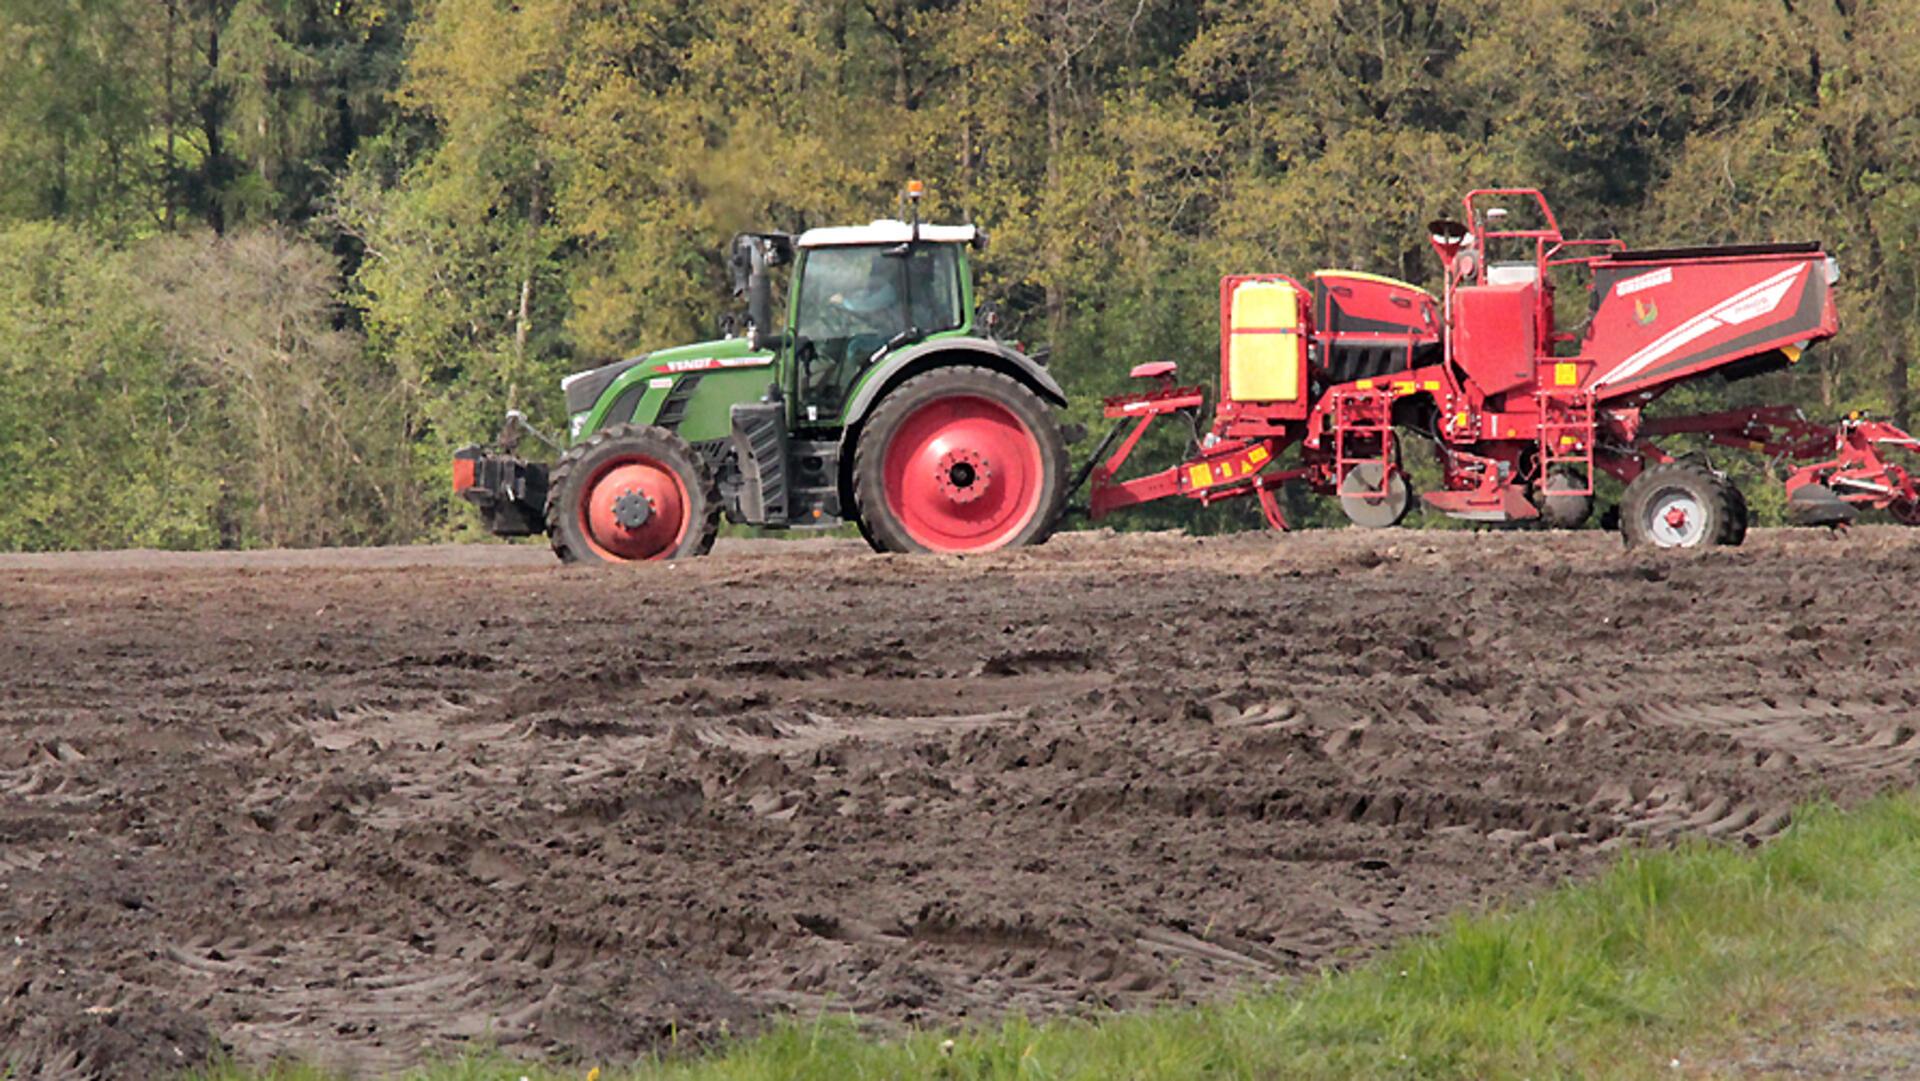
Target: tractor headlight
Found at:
x=577, y=424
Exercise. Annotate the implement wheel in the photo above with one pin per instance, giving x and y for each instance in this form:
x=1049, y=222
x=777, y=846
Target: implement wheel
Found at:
x=959, y=459
x=1559, y=511
x=1364, y=506
x=629, y=494
x=1678, y=505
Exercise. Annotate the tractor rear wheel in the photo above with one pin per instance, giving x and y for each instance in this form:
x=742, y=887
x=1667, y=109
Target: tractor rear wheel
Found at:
x=1677, y=505
x=959, y=459
x=632, y=493
x=1363, y=503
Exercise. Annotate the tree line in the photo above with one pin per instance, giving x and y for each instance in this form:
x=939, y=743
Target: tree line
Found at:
x=268, y=261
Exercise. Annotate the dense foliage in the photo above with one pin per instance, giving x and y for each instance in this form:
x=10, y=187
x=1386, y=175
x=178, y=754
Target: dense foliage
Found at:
x=268, y=260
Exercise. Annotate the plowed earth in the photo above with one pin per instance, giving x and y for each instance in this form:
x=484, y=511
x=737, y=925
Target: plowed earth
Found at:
x=363, y=807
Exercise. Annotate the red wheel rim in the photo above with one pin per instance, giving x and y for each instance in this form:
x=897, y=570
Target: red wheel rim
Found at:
x=963, y=474
x=635, y=508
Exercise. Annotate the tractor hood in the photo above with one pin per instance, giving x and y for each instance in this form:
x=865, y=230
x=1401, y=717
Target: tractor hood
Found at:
x=583, y=389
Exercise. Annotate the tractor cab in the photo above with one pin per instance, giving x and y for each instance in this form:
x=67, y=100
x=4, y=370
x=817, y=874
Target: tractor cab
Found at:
x=863, y=291
x=856, y=294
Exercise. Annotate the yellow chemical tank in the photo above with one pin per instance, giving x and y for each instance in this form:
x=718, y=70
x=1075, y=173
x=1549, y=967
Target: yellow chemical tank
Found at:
x=1266, y=347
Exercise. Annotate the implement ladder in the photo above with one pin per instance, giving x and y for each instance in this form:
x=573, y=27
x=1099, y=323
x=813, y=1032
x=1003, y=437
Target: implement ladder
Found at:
x=1567, y=437
x=1365, y=417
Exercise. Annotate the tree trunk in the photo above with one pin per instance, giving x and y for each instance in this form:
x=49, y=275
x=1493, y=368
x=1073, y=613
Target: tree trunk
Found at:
x=966, y=149
x=536, y=217
x=1898, y=397
x=525, y=319
x=213, y=122
x=1056, y=298
x=168, y=181
x=900, y=97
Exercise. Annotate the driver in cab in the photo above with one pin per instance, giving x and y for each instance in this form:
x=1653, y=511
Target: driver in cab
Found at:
x=868, y=301
x=859, y=314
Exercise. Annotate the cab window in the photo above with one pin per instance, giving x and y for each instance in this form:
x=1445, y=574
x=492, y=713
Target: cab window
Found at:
x=854, y=300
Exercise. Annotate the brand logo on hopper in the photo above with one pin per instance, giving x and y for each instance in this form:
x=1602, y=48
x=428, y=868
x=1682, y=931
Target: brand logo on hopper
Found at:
x=1645, y=281
x=1645, y=313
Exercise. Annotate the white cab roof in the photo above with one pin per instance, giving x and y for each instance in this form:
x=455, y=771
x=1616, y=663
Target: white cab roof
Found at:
x=885, y=231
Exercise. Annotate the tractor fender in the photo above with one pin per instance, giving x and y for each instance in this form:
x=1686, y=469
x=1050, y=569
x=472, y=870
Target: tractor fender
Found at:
x=926, y=356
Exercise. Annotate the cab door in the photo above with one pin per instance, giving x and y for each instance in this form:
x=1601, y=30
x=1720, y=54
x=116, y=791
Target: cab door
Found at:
x=852, y=304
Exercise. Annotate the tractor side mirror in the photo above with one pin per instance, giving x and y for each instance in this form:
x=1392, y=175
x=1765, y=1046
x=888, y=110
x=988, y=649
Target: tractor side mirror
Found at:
x=740, y=263
x=760, y=309
x=748, y=260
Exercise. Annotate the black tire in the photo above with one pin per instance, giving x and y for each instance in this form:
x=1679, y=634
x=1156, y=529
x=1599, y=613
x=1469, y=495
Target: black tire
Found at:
x=1704, y=501
x=1737, y=522
x=1562, y=511
x=582, y=463
x=883, y=526
x=866, y=533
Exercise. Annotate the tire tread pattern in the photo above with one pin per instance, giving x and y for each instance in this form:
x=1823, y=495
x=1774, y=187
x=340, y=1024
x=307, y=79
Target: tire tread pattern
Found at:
x=1735, y=533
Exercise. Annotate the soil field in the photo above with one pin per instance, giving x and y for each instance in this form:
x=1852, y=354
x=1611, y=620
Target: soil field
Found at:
x=362, y=807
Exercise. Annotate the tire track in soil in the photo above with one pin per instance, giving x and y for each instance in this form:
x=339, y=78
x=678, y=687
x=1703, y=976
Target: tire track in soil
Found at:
x=369, y=806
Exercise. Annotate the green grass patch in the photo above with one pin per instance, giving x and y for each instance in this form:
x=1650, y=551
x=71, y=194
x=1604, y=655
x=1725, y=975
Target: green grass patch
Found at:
x=1667, y=953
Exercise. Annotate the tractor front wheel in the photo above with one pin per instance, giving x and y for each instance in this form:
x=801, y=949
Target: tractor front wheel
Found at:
x=959, y=459
x=629, y=494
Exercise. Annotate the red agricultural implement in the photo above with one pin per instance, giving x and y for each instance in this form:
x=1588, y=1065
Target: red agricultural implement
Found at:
x=1522, y=407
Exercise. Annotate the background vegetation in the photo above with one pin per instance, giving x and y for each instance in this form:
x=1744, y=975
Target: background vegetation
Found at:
x=266, y=261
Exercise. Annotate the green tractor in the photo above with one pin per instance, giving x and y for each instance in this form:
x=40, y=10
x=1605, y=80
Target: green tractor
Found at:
x=880, y=398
